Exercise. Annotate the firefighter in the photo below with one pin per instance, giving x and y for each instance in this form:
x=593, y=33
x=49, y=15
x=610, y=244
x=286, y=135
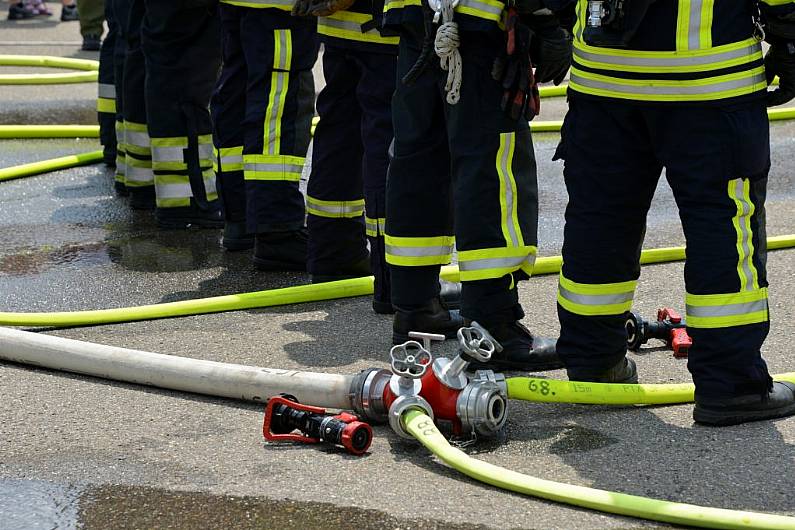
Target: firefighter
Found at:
x=681, y=86
x=464, y=170
x=262, y=112
x=172, y=61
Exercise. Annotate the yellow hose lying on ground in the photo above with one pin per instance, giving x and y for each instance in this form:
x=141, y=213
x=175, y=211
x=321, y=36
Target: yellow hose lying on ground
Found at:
x=92, y=131
x=422, y=428
x=54, y=164
x=49, y=131
x=556, y=391
x=89, y=75
x=288, y=295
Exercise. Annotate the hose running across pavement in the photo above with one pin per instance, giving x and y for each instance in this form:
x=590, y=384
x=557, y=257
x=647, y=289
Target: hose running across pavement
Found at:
x=423, y=429
x=46, y=166
x=290, y=295
x=88, y=75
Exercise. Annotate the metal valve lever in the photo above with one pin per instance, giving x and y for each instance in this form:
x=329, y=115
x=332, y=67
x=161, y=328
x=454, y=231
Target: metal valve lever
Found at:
x=477, y=343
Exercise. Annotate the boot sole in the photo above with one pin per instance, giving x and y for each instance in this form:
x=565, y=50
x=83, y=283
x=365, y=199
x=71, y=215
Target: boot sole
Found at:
x=276, y=265
x=725, y=418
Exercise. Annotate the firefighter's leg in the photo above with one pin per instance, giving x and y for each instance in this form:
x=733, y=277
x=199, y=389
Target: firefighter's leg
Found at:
x=121, y=11
x=228, y=111
x=138, y=176
x=374, y=92
x=611, y=173
x=106, y=90
x=717, y=167
x=182, y=48
x=280, y=51
x=419, y=225
x=337, y=246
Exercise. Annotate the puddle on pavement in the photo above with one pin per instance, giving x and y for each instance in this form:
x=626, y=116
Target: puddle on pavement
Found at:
x=40, y=505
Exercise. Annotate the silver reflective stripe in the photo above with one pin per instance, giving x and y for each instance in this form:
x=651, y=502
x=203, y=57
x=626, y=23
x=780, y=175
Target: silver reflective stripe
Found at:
x=106, y=91
x=694, y=25
x=505, y=173
x=137, y=138
x=337, y=209
x=482, y=6
x=231, y=159
x=739, y=196
x=495, y=263
x=347, y=25
x=273, y=168
x=209, y=185
x=371, y=225
x=168, y=154
x=139, y=174
x=416, y=252
x=750, y=51
x=677, y=90
x=595, y=299
x=279, y=88
x=728, y=310
x=173, y=191
x=284, y=46
x=205, y=151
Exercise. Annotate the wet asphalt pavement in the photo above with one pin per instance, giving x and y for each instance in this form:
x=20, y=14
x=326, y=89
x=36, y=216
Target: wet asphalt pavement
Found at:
x=80, y=452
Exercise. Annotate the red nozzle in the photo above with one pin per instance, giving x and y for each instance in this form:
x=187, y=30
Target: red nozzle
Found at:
x=356, y=437
x=680, y=342
x=666, y=313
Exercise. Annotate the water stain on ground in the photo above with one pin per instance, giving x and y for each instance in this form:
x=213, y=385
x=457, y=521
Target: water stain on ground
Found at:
x=40, y=505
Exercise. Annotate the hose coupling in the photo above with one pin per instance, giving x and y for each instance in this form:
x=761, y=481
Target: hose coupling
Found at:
x=401, y=405
x=482, y=405
x=367, y=394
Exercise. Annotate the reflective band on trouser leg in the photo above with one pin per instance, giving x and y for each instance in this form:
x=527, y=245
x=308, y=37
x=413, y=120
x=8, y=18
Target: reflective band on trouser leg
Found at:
x=106, y=98
x=509, y=219
x=138, y=172
x=172, y=183
x=335, y=209
x=280, y=81
x=269, y=167
x=491, y=263
x=136, y=139
x=121, y=154
x=228, y=159
x=725, y=310
x=418, y=251
x=740, y=193
x=596, y=299
x=285, y=5
x=348, y=25
x=206, y=160
x=374, y=227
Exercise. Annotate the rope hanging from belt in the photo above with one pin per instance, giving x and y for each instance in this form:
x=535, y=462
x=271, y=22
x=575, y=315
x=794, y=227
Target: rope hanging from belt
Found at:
x=446, y=47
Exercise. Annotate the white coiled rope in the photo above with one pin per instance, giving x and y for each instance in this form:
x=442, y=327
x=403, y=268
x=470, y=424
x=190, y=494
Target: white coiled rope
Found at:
x=446, y=47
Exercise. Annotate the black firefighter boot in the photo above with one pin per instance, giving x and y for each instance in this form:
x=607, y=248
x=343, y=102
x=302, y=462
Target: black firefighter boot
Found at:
x=236, y=236
x=521, y=351
x=449, y=292
x=778, y=401
x=623, y=372
x=281, y=251
x=430, y=317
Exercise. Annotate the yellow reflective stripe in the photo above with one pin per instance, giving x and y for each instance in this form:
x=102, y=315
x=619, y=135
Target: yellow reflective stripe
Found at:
x=682, y=25
x=348, y=25
x=711, y=88
x=181, y=202
x=489, y=263
x=280, y=80
x=106, y=105
x=724, y=310
x=486, y=9
x=286, y=5
x=740, y=193
x=509, y=218
x=418, y=251
x=335, y=209
x=374, y=227
x=716, y=58
x=777, y=2
x=596, y=299
x=705, y=33
x=228, y=159
x=269, y=167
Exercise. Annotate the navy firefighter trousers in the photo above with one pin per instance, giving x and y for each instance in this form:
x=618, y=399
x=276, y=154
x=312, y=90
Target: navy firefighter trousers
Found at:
x=716, y=158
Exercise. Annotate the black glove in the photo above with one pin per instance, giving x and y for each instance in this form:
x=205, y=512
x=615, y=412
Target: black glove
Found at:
x=319, y=8
x=512, y=68
x=780, y=61
x=551, y=49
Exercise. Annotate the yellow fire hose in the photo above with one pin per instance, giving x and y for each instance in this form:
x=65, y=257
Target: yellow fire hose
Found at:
x=89, y=75
x=556, y=391
x=423, y=429
x=54, y=164
x=289, y=295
